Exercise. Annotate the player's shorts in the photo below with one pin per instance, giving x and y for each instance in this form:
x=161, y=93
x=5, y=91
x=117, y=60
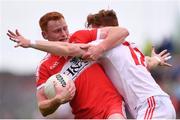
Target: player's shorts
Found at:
x=156, y=107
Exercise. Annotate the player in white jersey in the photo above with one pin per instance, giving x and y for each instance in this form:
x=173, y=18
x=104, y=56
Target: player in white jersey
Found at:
x=126, y=67
x=128, y=72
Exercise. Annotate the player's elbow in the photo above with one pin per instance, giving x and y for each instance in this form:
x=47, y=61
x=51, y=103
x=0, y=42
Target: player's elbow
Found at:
x=44, y=111
x=123, y=32
x=44, y=114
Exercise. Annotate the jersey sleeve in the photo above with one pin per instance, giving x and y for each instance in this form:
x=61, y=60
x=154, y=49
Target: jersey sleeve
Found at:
x=41, y=76
x=84, y=36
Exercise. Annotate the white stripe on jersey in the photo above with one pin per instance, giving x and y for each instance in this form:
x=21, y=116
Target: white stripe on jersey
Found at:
x=40, y=86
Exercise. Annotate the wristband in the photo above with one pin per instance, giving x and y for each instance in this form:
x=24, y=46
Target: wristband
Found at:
x=32, y=42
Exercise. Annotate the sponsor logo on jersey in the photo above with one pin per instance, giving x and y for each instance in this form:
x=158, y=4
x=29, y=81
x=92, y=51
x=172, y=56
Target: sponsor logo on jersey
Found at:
x=61, y=80
x=54, y=65
x=74, y=67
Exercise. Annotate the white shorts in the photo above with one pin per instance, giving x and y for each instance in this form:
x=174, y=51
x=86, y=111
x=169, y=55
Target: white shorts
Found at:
x=156, y=107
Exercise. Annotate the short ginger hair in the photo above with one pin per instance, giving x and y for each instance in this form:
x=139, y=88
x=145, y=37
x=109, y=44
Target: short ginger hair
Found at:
x=43, y=22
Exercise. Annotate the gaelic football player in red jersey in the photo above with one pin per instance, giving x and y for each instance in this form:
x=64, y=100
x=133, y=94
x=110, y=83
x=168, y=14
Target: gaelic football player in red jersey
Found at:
x=95, y=95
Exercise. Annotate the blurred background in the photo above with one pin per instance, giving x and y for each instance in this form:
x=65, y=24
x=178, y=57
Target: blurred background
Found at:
x=150, y=23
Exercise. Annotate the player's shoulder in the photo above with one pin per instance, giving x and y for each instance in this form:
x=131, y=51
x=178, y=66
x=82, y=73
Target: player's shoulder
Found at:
x=81, y=31
x=42, y=69
x=83, y=36
x=47, y=61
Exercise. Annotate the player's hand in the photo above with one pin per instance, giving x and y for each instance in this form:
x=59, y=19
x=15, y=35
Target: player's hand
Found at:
x=161, y=58
x=67, y=93
x=78, y=50
x=84, y=46
x=19, y=39
x=93, y=53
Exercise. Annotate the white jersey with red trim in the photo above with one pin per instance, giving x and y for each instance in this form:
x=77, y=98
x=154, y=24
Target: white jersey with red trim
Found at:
x=125, y=65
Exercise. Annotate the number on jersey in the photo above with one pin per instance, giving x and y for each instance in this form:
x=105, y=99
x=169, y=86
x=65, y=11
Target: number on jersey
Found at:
x=137, y=56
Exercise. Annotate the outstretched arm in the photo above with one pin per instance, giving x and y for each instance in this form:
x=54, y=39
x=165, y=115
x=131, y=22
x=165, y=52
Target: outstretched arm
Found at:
x=57, y=48
x=158, y=59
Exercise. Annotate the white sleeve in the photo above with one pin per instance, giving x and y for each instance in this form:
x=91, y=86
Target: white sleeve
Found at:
x=98, y=33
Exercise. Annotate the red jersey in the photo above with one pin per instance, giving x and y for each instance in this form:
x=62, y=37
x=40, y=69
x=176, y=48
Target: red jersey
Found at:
x=95, y=95
x=49, y=66
x=84, y=36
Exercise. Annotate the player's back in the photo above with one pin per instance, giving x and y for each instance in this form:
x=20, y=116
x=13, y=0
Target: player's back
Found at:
x=94, y=94
x=130, y=75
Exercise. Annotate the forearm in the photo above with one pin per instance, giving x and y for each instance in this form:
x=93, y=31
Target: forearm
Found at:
x=115, y=36
x=49, y=106
x=57, y=48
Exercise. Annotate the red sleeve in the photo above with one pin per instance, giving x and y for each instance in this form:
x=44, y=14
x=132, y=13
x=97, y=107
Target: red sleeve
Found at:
x=41, y=75
x=84, y=36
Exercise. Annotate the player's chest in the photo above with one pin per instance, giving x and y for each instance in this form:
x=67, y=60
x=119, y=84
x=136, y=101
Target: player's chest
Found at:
x=56, y=65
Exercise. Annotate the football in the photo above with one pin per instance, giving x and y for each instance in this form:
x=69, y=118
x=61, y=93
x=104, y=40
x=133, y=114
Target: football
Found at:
x=49, y=88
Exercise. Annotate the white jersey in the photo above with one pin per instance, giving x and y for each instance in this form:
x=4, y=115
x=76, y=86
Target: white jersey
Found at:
x=126, y=68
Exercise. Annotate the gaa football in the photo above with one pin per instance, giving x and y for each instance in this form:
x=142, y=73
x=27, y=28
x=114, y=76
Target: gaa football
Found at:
x=49, y=88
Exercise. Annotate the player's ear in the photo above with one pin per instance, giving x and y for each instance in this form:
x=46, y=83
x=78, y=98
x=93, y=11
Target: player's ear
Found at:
x=44, y=34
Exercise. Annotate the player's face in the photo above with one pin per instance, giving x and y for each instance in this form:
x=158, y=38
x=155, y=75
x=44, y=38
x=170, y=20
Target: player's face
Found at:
x=57, y=30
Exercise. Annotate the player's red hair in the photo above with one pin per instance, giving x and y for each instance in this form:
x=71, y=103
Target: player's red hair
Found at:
x=48, y=17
